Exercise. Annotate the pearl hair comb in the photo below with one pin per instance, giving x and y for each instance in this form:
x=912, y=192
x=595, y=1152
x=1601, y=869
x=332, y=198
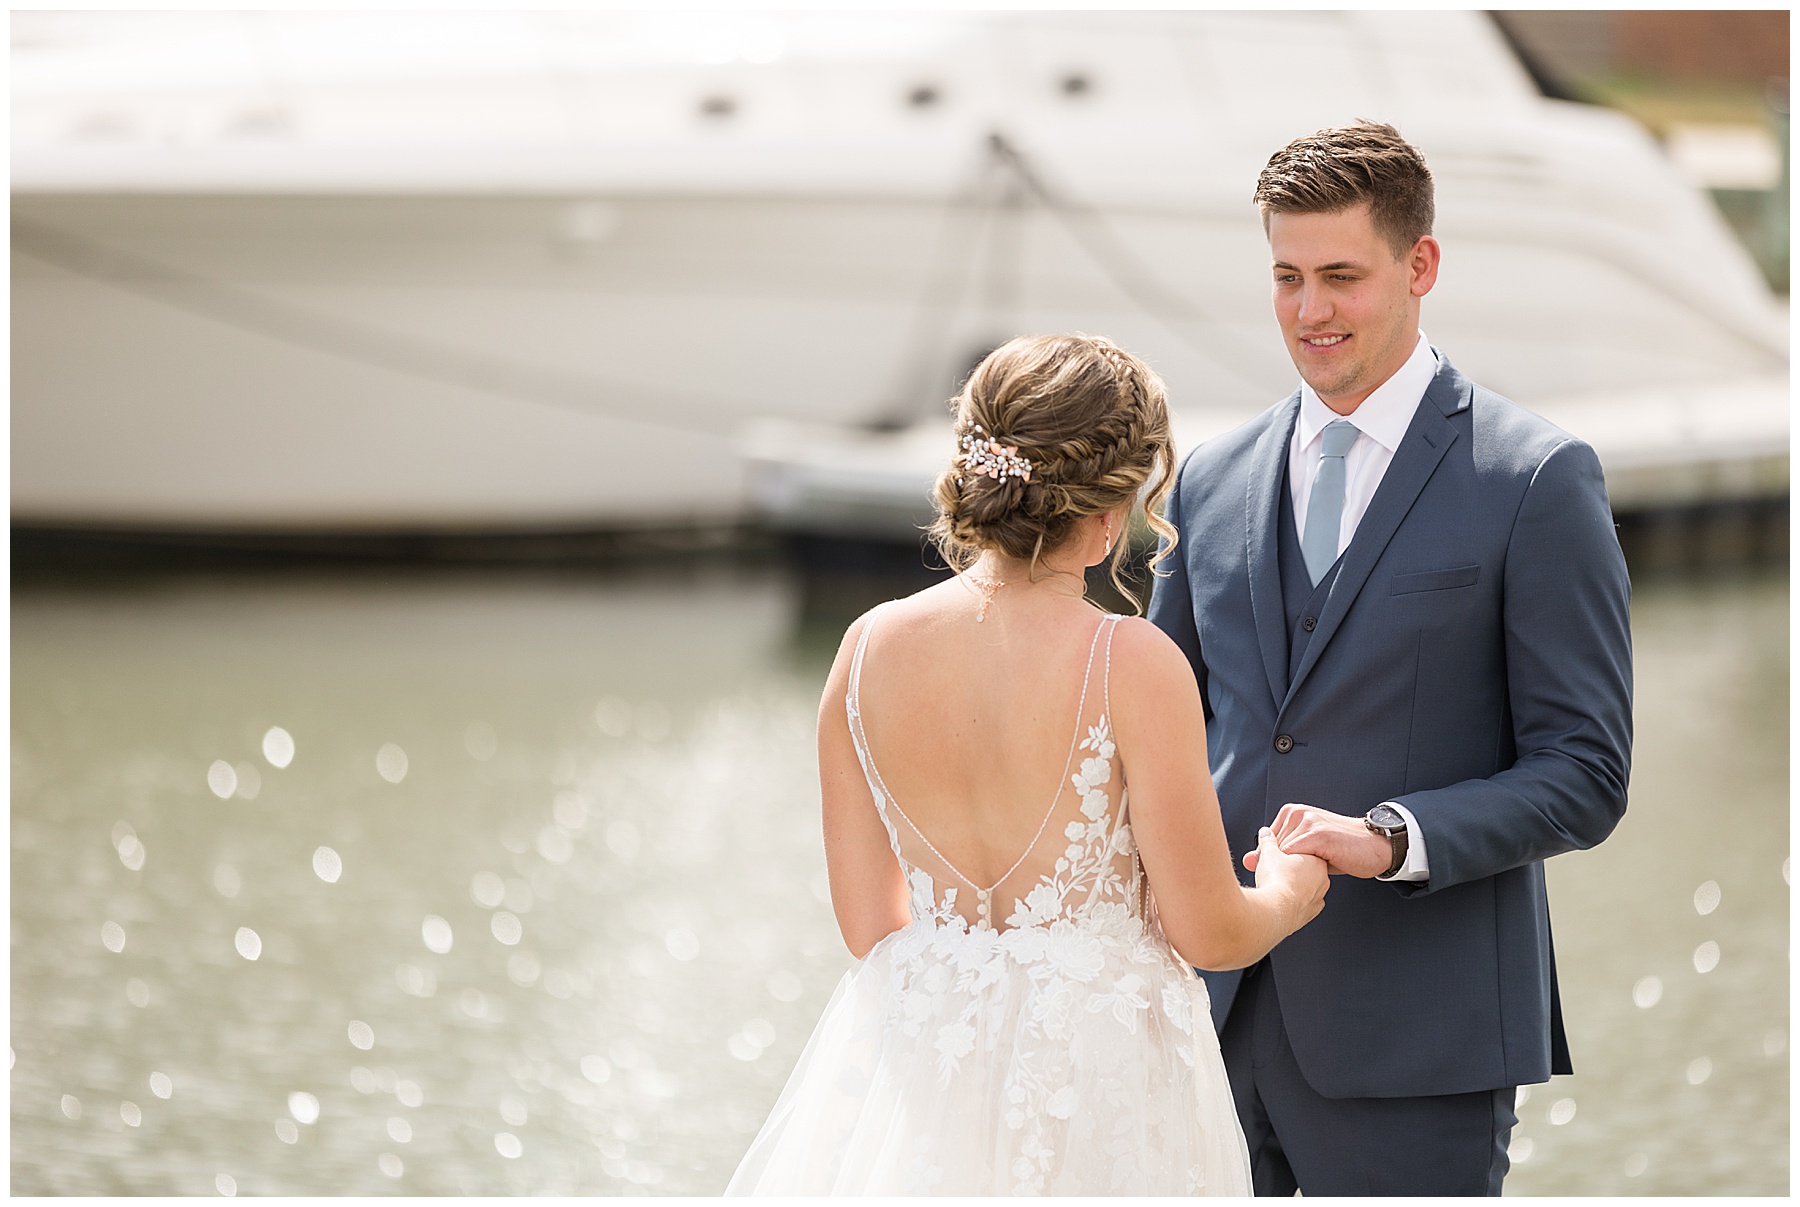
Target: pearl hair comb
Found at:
x=984, y=455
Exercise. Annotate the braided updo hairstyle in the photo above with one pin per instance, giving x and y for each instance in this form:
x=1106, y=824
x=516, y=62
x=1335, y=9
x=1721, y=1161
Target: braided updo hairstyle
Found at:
x=1094, y=422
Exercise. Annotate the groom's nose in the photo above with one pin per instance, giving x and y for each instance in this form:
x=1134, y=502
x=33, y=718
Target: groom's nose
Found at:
x=1315, y=306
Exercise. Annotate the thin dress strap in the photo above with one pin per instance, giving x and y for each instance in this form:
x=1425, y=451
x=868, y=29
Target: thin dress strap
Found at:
x=1138, y=896
x=853, y=711
x=1112, y=626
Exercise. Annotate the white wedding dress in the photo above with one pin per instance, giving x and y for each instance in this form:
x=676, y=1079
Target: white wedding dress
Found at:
x=1065, y=1050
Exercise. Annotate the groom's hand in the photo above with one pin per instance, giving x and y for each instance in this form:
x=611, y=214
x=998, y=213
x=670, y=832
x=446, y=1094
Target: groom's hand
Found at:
x=1348, y=847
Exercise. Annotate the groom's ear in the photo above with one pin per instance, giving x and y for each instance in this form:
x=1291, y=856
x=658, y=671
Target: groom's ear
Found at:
x=1422, y=263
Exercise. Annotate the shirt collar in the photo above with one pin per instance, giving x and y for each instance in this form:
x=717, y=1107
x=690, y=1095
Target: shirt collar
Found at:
x=1384, y=415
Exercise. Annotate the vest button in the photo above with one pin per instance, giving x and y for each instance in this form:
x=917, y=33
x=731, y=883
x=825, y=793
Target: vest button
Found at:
x=1310, y=623
x=1283, y=744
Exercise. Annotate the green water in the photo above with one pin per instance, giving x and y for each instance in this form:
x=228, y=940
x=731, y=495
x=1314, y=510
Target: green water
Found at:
x=607, y=799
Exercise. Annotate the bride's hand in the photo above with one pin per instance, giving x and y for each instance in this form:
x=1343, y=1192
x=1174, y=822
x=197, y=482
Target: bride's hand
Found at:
x=1303, y=878
x=1346, y=844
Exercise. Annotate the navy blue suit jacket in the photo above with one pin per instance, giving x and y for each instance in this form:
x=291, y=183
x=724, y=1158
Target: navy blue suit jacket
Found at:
x=1473, y=662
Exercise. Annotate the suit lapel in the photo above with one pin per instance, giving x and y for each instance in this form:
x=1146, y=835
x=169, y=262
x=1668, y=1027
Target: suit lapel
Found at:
x=1427, y=439
x=1262, y=509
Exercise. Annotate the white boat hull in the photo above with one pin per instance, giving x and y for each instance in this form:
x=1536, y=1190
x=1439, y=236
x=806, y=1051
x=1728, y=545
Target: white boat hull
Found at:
x=320, y=337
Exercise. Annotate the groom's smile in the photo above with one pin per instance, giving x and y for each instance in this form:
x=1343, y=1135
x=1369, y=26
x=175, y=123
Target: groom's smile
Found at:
x=1325, y=345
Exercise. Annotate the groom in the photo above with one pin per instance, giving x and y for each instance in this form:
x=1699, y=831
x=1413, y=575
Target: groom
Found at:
x=1405, y=603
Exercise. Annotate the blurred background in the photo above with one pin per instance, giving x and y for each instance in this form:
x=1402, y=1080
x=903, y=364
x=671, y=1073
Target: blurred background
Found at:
x=446, y=449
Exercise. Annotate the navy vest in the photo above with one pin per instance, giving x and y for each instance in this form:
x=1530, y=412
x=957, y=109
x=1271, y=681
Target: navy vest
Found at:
x=1300, y=600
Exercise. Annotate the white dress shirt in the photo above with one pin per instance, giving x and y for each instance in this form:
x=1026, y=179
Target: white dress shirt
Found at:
x=1381, y=421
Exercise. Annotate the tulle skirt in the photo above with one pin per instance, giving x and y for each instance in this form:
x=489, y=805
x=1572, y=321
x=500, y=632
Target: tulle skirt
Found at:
x=1076, y=1058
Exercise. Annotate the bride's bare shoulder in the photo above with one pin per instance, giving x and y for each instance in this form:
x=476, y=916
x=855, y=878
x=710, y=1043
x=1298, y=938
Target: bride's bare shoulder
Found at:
x=901, y=619
x=1139, y=641
x=1146, y=663
x=852, y=636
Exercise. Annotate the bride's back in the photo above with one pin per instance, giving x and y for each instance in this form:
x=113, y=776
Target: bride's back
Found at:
x=972, y=727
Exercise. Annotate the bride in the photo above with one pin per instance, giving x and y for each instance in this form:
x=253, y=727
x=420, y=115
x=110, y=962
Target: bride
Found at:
x=1024, y=1017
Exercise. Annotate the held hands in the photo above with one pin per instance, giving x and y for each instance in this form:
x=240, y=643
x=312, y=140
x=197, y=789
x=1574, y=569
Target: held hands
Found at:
x=1302, y=877
x=1345, y=843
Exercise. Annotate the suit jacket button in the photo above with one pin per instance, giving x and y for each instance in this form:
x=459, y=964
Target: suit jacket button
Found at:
x=1309, y=624
x=1283, y=744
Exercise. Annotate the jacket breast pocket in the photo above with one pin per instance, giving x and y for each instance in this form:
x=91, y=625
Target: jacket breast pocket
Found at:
x=1435, y=580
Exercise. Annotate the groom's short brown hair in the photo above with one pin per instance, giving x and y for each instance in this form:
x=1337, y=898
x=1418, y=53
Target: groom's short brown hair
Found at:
x=1344, y=166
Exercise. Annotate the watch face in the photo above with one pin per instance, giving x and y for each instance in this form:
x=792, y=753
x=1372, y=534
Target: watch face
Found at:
x=1386, y=817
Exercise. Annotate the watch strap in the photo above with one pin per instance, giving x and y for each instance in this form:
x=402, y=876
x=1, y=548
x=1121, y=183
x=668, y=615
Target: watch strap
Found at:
x=1397, y=840
x=1399, y=844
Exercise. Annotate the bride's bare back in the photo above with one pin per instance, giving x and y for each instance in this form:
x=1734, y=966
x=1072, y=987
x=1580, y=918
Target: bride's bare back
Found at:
x=991, y=744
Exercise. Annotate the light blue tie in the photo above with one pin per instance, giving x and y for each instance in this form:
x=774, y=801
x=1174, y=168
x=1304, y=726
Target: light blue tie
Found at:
x=1325, y=507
